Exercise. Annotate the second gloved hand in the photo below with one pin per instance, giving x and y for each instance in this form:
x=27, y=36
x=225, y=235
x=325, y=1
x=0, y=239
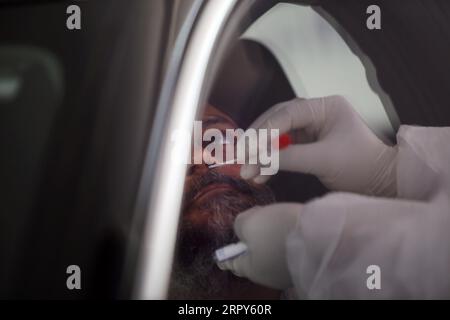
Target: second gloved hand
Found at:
x=343, y=153
x=264, y=230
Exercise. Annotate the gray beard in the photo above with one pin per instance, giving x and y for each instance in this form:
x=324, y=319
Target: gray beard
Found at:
x=195, y=274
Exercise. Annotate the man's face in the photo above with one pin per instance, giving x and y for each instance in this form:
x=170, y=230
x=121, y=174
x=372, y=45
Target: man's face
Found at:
x=205, y=185
x=213, y=197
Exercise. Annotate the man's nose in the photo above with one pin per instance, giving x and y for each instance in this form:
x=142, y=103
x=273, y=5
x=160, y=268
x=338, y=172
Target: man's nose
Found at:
x=206, y=159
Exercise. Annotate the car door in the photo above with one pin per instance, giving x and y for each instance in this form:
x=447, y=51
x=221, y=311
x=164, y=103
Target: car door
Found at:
x=218, y=25
x=76, y=109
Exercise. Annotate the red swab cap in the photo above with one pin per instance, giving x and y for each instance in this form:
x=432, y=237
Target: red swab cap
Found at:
x=284, y=141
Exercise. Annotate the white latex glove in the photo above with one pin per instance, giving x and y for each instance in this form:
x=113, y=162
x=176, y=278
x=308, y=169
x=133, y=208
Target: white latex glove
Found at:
x=344, y=153
x=264, y=230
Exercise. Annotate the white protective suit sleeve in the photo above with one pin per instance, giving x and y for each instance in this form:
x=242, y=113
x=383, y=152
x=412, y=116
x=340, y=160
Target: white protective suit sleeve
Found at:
x=339, y=236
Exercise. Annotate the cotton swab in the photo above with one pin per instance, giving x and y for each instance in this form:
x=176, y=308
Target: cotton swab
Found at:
x=284, y=141
x=230, y=251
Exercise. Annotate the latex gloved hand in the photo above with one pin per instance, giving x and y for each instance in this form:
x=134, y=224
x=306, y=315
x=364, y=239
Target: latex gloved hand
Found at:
x=343, y=152
x=264, y=230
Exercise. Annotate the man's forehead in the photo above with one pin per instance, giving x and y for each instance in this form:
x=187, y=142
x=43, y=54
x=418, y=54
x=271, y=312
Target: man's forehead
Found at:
x=213, y=114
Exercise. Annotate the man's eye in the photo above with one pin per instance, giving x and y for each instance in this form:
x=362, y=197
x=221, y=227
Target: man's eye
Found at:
x=220, y=139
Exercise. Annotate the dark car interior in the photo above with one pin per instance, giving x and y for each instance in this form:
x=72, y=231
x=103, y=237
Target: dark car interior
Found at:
x=73, y=136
